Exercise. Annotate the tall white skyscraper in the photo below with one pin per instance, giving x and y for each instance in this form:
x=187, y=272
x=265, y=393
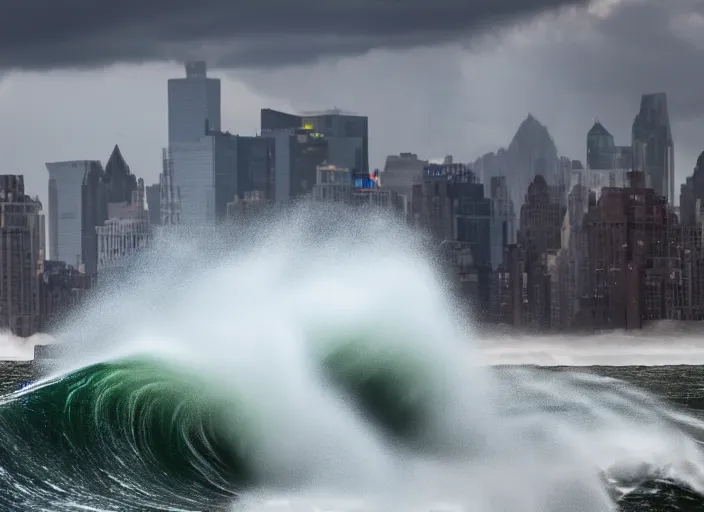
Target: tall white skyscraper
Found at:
x=194, y=102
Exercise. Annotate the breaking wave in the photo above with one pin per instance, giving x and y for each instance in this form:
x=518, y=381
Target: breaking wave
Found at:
x=321, y=363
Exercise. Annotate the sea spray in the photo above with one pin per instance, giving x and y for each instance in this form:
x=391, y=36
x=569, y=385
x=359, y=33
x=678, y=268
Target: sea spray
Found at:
x=253, y=355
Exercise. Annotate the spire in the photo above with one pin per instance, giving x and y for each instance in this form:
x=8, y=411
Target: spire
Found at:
x=116, y=163
x=121, y=182
x=599, y=130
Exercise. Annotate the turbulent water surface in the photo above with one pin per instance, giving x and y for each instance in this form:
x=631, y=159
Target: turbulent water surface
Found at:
x=87, y=441
x=293, y=369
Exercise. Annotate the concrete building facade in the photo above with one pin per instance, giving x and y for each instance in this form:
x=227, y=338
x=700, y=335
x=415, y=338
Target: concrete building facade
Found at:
x=126, y=232
x=19, y=255
x=401, y=172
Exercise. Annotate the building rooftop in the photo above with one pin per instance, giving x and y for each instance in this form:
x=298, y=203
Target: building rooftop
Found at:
x=599, y=130
x=330, y=112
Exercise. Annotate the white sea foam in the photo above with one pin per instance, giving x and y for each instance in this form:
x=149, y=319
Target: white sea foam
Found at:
x=15, y=348
x=661, y=344
x=250, y=314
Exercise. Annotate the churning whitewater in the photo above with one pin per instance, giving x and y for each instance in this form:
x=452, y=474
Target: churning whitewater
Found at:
x=320, y=363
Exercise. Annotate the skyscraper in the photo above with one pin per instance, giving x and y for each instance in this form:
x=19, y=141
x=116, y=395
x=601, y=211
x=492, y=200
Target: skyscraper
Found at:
x=302, y=143
x=94, y=212
x=401, y=172
x=19, y=253
x=122, y=236
x=600, y=147
x=154, y=204
x=254, y=169
x=77, y=204
x=42, y=234
x=307, y=152
x=121, y=183
x=192, y=171
x=194, y=104
x=65, y=209
x=347, y=135
x=692, y=195
x=273, y=121
x=210, y=172
x=653, y=147
x=170, y=195
x=194, y=113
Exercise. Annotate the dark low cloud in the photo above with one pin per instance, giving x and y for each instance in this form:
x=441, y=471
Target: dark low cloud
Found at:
x=566, y=69
x=40, y=34
x=643, y=46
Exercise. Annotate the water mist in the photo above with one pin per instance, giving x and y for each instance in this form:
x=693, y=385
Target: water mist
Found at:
x=319, y=361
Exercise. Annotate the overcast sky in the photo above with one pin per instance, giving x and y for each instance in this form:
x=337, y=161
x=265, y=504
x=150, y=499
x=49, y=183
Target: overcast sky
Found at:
x=435, y=77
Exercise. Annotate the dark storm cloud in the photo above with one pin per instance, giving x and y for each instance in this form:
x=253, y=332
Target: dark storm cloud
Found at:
x=41, y=34
x=643, y=46
x=567, y=70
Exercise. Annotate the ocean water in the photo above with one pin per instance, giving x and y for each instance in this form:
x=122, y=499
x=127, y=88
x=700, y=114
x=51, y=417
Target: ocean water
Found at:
x=681, y=386
x=319, y=363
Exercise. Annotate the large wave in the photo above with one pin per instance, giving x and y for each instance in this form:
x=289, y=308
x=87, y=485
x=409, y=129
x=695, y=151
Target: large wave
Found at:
x=321, y=360
x=125, y=432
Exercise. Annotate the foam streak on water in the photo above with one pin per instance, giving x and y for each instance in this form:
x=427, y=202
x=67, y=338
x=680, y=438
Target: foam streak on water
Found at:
x=664, y=343
x=318, y=364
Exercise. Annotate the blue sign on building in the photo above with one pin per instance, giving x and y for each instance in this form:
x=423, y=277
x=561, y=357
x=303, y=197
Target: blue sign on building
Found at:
x=364, y=182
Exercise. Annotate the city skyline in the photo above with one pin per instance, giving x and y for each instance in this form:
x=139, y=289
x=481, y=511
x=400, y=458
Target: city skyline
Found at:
x=68, y=115
x=573, y=222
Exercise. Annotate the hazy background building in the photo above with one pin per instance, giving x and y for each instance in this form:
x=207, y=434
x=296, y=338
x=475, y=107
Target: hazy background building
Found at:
x=169, y=193
x=121, y=183
x=653, y=148
x=66, y=209
x=153, y=195
x=401, y=172
x=94, y=212
x=193, y=103
x=193, y=173
x=205, y=168
x=19, y=254
x=298, y=150
x=347, y=136
x=42, y=235
x=242, y=164
x=601, y=148
x=302, y=143
x=503, y=220
x=333, y=185
x=253, y=167
x=210, y=172
x=308, y=150
x=692, y=195
x=124, y=234
x=274, y=121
